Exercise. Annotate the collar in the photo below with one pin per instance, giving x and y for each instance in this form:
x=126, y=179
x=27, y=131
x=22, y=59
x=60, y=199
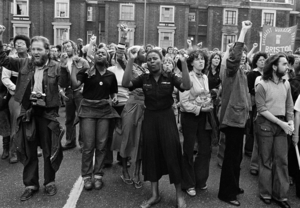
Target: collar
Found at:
x=197, y=75
x=92, y=71
x=44, y=66
x=280, y=80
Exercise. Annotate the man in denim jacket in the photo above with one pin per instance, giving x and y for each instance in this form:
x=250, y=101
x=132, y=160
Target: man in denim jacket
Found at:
x=37, y=91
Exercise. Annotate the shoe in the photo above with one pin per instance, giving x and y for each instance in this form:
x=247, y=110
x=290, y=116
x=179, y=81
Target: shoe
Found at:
x=88, y=184
x=5, y=154
x=204, y=187
x=127, y=181
x=146, y=204
x=248, y=154
x=50, y=190
x=98, y=183
x=241, y=191
x=283, y=204
x=254, y=172
x=13, y=159
x=28, y=193
x=233, y=202
x=137, y=184
x=68, y=146
x=191, y=192
x=291, y=181
x=266, y=201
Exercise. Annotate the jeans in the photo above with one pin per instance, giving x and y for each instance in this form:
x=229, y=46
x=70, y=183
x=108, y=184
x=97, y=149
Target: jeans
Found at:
x=72, y=106
x=255, y=157
x=94, y=137
x=273, y=162
x=31, y=168
x=195, y=174
x=230, y=175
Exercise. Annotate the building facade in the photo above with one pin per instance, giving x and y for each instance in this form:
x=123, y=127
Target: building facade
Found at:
x=163, y=23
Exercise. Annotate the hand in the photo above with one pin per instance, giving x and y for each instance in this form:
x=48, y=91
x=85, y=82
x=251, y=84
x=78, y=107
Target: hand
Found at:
x=124, y=30
x=93, y=40
x=246, y=24
x=115, y=101
x=255, y=45
x=2, y=29
x=295, y=139
x=63, y=95
x=133, y=53
x=189, y=42
x=199, y=45
x=64, y=59
x=288, y=129
x=230, y=45
x=207, y=109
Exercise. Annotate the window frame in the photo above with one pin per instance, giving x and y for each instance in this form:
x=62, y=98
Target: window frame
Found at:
x=23, y=26
x=265, y=1
x=223, y=36
x=133, y=8
x=236, y=16
x=160, y=13
x=268, y=12
x=55, y=27
x=15, y=9
x=91, y=14
x=68, y=8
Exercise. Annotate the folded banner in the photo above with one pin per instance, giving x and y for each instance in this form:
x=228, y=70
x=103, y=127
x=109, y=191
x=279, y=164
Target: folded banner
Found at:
x=275, y=39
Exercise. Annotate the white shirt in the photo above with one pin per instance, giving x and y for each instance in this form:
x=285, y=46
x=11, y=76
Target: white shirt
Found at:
x=69, y=64
x=297, y=104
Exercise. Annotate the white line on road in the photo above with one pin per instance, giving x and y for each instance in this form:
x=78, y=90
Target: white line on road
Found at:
x=74, y=194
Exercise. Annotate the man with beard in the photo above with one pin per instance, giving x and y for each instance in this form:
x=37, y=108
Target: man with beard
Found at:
x=9, y=78
x=37, y=90
x=74, y=95
x=274, y=122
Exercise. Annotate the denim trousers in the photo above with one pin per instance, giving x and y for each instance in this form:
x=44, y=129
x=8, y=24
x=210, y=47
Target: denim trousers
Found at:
x=94, y=137
x=254, y=157
x=72, y=106
x=273, y=160
x=233, y=155
x=195, y=173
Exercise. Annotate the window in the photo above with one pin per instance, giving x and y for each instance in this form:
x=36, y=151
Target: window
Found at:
x=127, y=11
x=268, y=18
x=62, y=8
x=192, y=17
x=275, y=1
x=226, y=39
x=21, y=30
x=88, y=36
x=167, y=13
x=60, y=35
x=21, y=7
x=90, y=14
x=230, y=17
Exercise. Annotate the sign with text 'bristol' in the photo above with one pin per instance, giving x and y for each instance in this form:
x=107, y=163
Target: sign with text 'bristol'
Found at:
x=276, y=39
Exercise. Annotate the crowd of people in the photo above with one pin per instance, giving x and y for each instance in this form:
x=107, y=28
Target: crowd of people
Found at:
x=137, y=101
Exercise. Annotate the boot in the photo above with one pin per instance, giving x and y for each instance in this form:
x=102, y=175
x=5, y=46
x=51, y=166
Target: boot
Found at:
x=13, y=158
x=5, y=153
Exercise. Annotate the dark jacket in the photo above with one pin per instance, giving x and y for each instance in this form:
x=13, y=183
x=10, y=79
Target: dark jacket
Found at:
x=295, y=87
x=26, y=70
x=236, y=101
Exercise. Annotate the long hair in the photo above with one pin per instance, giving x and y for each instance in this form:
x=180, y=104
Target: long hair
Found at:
x=256, y=57
x=209, y=67
x=268, y=69
x=194, y=54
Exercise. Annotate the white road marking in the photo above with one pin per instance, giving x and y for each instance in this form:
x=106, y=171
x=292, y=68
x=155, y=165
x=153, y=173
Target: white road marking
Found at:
x=74, y=194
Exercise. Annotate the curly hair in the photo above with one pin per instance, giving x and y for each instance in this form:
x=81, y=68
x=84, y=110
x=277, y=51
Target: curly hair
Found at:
x=22, y=37
x=257, y=56
x=194, y=54
x=74, y=45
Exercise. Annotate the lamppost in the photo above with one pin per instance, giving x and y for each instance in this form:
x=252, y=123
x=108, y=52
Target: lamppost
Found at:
x=145, y=16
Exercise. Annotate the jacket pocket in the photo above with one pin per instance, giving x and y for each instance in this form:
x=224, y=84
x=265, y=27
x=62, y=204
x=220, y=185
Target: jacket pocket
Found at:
x=264, y=130
x=237, y=114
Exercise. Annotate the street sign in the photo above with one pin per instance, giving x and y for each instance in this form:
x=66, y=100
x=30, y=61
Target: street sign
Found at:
x=275, y=39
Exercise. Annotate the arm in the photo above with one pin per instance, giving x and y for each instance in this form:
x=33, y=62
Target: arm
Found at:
x=252, y=51
x=186, y=82
x=6, y=75
x=260, y=97
x=77, y=82
x=127, y=77
x=187, y=105
x=224, y=61
x=289, y=105
x=297, y=124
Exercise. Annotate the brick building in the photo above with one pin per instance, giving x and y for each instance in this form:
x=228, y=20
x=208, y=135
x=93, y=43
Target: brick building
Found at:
x=168, y=22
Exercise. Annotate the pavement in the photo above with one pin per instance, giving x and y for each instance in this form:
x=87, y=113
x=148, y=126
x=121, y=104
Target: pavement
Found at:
x=115, y=193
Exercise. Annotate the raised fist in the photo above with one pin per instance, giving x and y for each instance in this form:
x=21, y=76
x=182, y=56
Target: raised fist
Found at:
x=189, y=42
x=93, y=40
x=124, y=29
x=247, y=24
x=255, y=45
